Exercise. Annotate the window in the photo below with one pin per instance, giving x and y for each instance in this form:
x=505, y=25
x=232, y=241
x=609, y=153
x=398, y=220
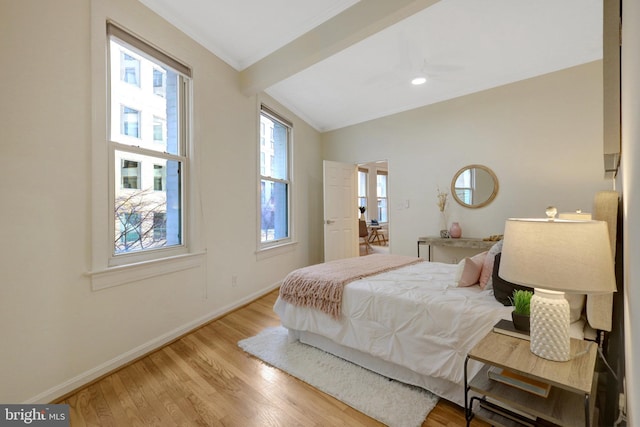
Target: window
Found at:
x=275, y=181
x=382, y=196
x=129, y=68
x=158, y=129
x=464, y=186
x=159, y=81
x=130, y=119
x=129, y=230
x=363, y=176
x=159, y=178
x=148, y=208
x=159, y=226
x=130, y=174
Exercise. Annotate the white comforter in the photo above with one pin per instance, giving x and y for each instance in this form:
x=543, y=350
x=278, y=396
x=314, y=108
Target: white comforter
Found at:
x=414, y=316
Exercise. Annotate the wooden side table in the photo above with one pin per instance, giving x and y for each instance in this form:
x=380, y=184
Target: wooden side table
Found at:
x=573, y=383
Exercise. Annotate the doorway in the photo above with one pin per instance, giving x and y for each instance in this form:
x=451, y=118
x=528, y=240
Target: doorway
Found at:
x=373, y=204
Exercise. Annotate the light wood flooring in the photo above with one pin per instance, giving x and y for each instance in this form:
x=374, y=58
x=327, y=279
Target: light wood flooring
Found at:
x=205, y=379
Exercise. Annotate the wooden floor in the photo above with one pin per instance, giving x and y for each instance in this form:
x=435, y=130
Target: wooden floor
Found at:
x=205, y=379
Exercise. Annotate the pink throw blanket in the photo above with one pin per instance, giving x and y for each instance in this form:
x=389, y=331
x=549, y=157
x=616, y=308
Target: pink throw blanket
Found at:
x=320, y=286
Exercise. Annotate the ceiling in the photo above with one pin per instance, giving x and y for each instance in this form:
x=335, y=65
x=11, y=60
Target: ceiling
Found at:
x=336, y=63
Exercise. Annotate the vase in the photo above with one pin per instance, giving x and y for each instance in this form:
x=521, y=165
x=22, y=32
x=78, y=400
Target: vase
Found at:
x=550, y=317
x=455, y=231
x=444, y=232
x=520, y=321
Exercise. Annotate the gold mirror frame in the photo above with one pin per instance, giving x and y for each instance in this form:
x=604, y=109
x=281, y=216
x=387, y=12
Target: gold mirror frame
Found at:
x=488, y=200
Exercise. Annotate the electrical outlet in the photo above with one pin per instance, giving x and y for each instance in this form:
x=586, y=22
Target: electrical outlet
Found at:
x=234, y=281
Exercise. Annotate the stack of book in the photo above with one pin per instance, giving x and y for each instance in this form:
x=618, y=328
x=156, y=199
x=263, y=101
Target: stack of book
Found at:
x=506, y=327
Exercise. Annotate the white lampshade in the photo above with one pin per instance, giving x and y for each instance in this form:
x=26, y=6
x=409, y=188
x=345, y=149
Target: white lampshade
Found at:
x=560, y=255
x=556, y=256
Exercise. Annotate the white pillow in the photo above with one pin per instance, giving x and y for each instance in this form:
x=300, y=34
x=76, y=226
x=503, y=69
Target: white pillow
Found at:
x=486, y=279
x=576, y=305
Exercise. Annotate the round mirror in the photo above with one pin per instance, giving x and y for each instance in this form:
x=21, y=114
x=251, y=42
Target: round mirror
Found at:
x=474, y=186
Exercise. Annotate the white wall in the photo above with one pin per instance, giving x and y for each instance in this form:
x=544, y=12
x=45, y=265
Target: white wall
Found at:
x=542, y=137
x=56, y=332
x=631, y=200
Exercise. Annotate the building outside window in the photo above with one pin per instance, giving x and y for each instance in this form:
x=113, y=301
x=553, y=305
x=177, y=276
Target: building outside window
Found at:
x=381, y=177
x=275, y=178
x=148, y=101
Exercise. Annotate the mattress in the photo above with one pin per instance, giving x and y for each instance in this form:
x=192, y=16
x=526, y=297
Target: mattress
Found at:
x=413, y=317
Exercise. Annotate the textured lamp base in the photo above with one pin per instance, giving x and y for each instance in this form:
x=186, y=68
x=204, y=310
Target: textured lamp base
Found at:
x=550, y=325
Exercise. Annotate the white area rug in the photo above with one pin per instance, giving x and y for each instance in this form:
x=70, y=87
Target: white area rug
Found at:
x=388, y=401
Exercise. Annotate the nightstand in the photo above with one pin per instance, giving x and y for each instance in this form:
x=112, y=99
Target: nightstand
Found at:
x=571, y=400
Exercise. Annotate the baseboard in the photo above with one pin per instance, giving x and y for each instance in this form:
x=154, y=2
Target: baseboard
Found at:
x=74, y=384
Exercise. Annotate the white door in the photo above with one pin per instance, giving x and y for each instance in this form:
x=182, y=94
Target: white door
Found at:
x=340, y=210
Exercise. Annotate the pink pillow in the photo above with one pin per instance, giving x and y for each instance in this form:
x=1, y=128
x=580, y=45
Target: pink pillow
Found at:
x=487, y=267
x=470, y=271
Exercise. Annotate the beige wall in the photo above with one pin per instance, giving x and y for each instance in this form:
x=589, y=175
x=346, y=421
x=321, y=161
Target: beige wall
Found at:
x=56, y=332
x=542, y=137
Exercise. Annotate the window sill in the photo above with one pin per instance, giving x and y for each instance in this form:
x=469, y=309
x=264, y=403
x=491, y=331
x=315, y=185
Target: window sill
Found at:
x=116, y=276
x=275, y=250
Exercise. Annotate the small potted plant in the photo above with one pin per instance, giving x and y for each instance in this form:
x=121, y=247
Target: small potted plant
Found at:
x=521, y=302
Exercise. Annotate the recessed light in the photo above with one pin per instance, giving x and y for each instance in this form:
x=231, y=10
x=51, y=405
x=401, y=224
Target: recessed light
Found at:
x=419, y=81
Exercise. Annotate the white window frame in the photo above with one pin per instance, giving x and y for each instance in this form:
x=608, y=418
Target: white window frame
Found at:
x=268, y=245
x=104, y=272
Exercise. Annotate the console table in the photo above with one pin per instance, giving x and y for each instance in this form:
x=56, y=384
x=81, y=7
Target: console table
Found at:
x=466, y=242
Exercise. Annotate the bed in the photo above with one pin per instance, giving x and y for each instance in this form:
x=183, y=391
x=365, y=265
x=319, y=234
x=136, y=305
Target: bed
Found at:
x=414, y=322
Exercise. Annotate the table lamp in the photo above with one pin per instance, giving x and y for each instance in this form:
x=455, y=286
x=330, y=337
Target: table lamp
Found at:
x=555, y=256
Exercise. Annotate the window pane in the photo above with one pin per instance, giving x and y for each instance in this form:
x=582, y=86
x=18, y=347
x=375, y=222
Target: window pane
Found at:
x=275, y=211
x=147, y=203
x=274, y=161
x=464, y=185
x=155, y=99
x=382, y=197
x=382, y=185
x=362, y=184
x=382, y=210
